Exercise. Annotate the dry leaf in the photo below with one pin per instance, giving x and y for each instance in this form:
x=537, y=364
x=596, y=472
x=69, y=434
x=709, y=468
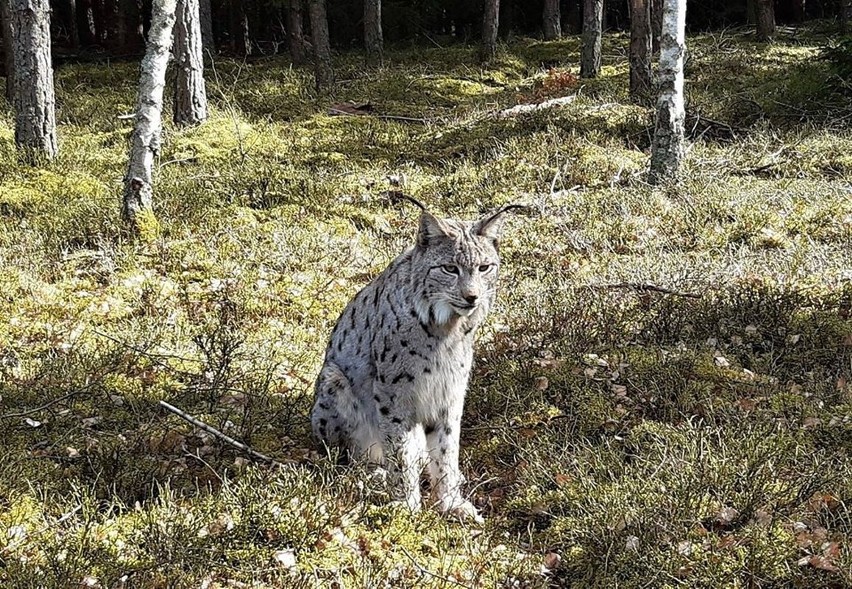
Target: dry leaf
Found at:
x=541, y=383
x=551, y=561
x=726, y=516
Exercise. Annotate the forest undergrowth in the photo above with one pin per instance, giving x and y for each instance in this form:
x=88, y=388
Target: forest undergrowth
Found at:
x=661, y=397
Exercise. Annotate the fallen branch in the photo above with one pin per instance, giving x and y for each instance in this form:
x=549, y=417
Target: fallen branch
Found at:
x=535, y=107
x=644, y=287
x=51, y=403
x=224, y=437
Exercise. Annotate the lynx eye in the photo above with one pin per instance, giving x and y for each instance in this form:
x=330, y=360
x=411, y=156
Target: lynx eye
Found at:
x=485, y=267
x=450, y=269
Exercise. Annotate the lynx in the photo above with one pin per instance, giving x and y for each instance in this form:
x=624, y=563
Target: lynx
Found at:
x=396, y=369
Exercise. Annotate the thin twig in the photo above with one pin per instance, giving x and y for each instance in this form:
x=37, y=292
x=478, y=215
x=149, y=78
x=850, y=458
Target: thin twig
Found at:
x=50, y=403
x=425, y=571
x=644, y=287
x=224, y=437
x=44, y=529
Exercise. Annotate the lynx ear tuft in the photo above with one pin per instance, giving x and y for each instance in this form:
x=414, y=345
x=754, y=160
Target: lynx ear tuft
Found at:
x=431, y=227
x=491, y=226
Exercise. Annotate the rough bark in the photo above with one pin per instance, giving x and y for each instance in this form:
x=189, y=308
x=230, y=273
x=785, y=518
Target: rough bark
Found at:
x=128, y=26
x=8, y=48
x=765, y=10
x=295, y=32
x=323, y=72
x=190, y=103
x=590, y=60
x=34, y=102
x=205, y=14
x=490, y=28
x=240, y=32
x=656, y=25
x=640, y=50
x=73, y=32
x=667, y=149
x=373, y=42
x=145, y=141
x=551, y=19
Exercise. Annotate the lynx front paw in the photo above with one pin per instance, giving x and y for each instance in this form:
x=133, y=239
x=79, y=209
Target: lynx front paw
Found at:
x=461, y=510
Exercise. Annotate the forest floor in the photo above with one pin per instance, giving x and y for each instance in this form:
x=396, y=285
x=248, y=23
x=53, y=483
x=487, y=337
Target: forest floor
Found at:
x=697, y=433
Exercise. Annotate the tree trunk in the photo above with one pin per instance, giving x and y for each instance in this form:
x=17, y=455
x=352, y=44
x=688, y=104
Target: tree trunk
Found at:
x=8, y=48
x=323, y=72
x=129, y=26
x=190, y=103
x=145, y=142
x=552, y=20
x=640, y=50
x=667, y=149
x=240, y=32
x=765, y=19
x=295, y=32
x=73, y=31
x=845, y=15
x=35, y=116
x=590, y=61
x=490, y=27
x=373, y=31
x=656, y=25
x=205, y=14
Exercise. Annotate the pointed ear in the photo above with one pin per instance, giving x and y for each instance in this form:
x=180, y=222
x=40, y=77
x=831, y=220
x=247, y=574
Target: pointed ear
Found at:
x=491, y=225
x=431, y=227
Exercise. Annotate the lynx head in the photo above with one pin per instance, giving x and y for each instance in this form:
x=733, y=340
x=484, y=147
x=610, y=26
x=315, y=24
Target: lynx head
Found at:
x=455, y=266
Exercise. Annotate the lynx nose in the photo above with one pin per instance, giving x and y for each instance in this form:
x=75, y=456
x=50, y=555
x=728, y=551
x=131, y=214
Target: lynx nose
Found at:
x=471, y=298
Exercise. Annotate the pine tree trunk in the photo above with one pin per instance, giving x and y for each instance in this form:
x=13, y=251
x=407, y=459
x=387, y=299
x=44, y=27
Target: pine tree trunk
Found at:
x=640, y=50
x=190, y=103
x=323, y=72
x=667, y=149
x=590, y=61
x=145, y=143
x=552, y=20
x=656, y=25
x=129, y=26
x=373, y=31
x=8, y=47
x=35, y=116
x=205, y=14
x=490, y=28
x=765, y=19
x=73, y=31
x=295, y=32
x=240, y=33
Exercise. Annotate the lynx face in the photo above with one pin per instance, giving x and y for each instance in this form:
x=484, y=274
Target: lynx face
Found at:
x=460, y=264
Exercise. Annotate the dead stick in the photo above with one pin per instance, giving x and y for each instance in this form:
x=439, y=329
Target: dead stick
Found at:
x=224, y=437
x=651, y=288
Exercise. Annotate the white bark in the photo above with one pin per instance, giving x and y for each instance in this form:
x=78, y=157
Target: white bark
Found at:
x=145, y=142
x=667, y=150
x=190, y=103
x=35, y=117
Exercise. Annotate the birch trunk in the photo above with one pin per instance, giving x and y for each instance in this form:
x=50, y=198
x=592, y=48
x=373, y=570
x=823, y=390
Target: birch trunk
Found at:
x=145, y=143
x=765, y=10
x=295, y=32
x=552, y=20
x=640, y=50
x=8, y=48
x=590, y=60
x=205, y=14
x=373, y=42
x=190, y=103
x=34, y=102
x=323, y=72
x=667, y=149
x=490, y=28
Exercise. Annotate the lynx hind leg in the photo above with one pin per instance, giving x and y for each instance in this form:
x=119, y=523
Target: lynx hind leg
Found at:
x=329, y=423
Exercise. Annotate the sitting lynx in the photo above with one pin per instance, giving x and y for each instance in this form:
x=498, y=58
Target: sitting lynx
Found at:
x=396, y=369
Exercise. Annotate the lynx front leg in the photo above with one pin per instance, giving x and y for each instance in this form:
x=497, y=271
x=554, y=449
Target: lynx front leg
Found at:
x=442, y=441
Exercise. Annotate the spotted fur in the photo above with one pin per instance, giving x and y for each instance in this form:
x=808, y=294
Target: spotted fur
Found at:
x=396, y=369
